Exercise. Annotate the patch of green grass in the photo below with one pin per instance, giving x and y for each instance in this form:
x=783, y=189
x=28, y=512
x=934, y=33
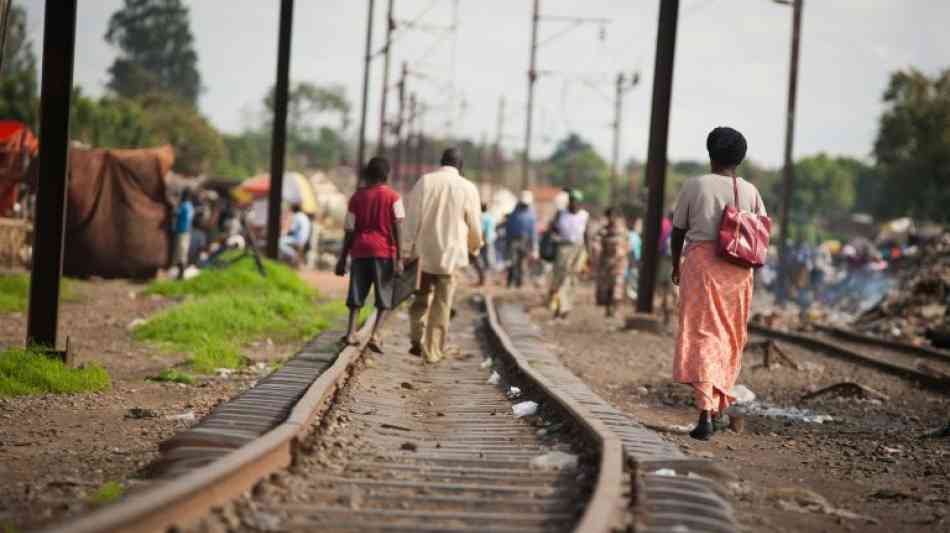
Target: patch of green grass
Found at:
x=231, y=307
x=172, y=375
x=15, y=292
x=9, y=528
x=30, y=372
x=241, y=276
x=107, y=493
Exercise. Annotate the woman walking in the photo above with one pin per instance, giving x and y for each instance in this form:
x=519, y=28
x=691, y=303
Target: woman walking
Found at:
x=715, y=294
x=612, y=261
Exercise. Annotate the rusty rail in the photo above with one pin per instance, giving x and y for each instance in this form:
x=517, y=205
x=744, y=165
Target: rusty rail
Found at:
x=607, y=501
x=901, y=369
x=190, y=496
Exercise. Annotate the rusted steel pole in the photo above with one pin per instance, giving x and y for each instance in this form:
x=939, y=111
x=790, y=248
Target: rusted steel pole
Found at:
x=400, y=127
x=390, y=26
x=615, y=155
x=532, y=78
x=656, y=162
x=789, y=167
x=367, y=60
x=279, y=137
x=59, y=43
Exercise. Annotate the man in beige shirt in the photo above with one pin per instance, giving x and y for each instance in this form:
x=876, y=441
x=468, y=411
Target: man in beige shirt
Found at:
x=443, y=227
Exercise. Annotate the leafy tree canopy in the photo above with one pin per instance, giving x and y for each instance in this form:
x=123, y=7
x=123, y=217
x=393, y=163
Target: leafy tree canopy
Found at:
x=18, y=80
x=157, y=50
x=576, y=164
x=913, y=147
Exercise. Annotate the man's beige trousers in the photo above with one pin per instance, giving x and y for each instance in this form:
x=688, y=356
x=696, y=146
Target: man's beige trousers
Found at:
x=430, y=313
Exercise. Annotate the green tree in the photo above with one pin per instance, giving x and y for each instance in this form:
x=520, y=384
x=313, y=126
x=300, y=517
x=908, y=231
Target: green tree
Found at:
x=109, y=122
x=576, y=164
x=913, y=147
x=310, y=142
x=198, y=145
x=157, y=50
x=18, y=80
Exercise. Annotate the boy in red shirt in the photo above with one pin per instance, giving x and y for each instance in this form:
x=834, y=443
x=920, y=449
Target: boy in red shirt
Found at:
x=374, y=241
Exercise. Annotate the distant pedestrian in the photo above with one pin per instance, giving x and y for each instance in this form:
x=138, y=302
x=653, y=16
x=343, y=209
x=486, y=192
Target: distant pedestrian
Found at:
x=444, y=228
x=480, y=262
x=634, y=247
x=487, y=253
x=715, y=294
x=374, y=241
x=184, y=219
x=295, y=241
x=521, y=239
x=612, y=261
x=570, y=231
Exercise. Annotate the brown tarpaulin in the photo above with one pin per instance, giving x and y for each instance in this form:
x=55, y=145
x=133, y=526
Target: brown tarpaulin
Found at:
x=117, y=218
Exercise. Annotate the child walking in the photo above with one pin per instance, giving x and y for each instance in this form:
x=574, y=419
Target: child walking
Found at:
x=374, y=242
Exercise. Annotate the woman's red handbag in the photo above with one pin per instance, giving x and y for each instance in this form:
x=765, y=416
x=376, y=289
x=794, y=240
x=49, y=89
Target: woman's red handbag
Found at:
x=744, y=236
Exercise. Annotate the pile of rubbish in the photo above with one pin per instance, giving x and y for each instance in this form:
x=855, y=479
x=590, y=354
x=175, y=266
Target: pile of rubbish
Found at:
x=915, y=310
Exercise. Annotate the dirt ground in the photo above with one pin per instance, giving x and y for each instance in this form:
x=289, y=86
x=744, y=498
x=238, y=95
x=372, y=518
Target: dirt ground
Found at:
x=869, y=463
x=56, y=451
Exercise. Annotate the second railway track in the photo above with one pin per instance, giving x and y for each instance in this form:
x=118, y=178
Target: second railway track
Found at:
x=921, y=365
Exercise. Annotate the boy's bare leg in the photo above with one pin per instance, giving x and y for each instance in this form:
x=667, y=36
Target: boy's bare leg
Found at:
x=381, y=316
x=351, y=326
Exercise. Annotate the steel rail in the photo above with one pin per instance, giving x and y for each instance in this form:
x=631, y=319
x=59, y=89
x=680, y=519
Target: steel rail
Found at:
x=189, y=497
x=938, y=383
x=606, y=504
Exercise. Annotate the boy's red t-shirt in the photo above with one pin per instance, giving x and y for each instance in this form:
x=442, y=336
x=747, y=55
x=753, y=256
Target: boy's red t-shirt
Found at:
x=372, y=215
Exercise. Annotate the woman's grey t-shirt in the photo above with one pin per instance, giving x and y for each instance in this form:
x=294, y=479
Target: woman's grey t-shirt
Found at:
x=702, y=200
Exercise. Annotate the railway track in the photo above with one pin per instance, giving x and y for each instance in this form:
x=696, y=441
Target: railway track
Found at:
x=339, y=442
x=921, y=365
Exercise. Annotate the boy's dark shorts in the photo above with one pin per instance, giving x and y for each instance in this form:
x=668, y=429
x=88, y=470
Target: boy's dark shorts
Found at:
x=371, y=272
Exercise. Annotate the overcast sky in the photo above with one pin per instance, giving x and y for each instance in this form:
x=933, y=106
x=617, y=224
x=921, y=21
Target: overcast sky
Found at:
x=731, y=65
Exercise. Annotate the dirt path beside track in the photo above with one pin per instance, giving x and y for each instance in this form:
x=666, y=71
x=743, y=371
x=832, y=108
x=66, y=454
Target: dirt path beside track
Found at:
x=56, y=451
x=796, y=476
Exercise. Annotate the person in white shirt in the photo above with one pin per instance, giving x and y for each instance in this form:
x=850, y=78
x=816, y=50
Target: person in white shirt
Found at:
x=570, y=229
x=443, y=227
x=296, y=239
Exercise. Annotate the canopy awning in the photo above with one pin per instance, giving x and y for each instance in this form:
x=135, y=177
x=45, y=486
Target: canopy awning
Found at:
x=296, y=190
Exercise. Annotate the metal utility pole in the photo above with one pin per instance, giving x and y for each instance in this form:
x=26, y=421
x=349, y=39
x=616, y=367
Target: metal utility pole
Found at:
x=59, y=43
x=400, y=124
x=532, y=78
x=789, y=167
x=390, y=26
x=361, y=142
x=279, y=138
x=621, y=89
x=656, y=162
x=499, y=135
x=415, y=131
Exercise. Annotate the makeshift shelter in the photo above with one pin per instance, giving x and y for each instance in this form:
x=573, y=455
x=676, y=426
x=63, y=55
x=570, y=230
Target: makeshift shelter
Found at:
x=117, y=217
x=17, y=147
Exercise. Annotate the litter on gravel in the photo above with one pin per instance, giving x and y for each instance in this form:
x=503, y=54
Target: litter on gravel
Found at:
x=524, y=409
x=494, y=379
x=555, y=460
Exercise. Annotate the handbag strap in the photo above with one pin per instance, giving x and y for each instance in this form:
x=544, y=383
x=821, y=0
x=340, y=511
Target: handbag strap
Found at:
x=735, y=191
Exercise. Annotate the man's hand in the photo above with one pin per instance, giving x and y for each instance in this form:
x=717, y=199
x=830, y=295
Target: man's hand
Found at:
x=341, y=267
x=675, y=278
x=399, y=266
